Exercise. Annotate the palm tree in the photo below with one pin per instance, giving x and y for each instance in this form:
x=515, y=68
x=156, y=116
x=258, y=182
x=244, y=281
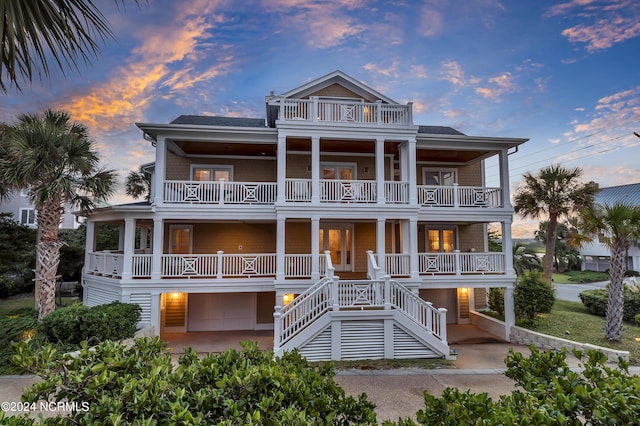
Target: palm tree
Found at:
x=616, y=227
x=138, y=184
x=525, y=259
x=53, y=158
x=555, y=192
x=34, y=30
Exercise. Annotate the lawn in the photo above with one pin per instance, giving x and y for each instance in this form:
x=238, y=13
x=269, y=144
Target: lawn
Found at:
x=572, y=321
x=579, y=277
x=13, y=303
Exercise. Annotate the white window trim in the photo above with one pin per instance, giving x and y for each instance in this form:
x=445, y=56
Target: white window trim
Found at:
x=352, y=166
x=35, y=216
x=324, y=227
x=439, y=169
x=213, y=168
x=454, y=228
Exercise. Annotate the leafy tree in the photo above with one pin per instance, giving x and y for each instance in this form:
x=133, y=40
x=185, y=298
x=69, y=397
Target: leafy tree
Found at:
x=36, y=31
x=616, y=226
x=548, y=392
x=566, y=257
x=141, y=385
x=554, y=192
x=532, y=296
x=54, y=159
x=138, y=184
x=17, y=256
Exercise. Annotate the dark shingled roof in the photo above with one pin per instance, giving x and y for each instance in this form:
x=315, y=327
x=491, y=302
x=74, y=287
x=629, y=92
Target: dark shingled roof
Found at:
x=209, y=120
x=628, y=194
x=439, y=130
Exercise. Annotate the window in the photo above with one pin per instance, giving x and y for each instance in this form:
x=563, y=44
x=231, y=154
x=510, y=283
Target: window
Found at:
x=28, y=217
x=212, y=173
x=441, y=240
x=438, y=177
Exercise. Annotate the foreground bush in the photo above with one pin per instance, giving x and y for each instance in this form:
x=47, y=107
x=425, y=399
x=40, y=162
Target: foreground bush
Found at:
x=77, y=323
x=115, y=385
x=596, y=302
x=549, y=393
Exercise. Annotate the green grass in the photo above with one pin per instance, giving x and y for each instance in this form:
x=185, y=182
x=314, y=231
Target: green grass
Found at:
x=11, y=304
x=579, y=277
x=572, y=321
x=387, y=364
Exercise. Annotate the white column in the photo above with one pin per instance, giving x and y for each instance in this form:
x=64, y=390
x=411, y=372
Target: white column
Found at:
x=504, y=178
x=90, y=244
x=155, y=313
x=160, y=169
x=280, y=240
x=129, y=239
x=315, y=169
x=507, y=248
x=413, y=248
x=411, y=168
x=158, y=238
x=380, y=244
x=509, y=312
x=380, y=171
x=282, y=169
x=315, y=248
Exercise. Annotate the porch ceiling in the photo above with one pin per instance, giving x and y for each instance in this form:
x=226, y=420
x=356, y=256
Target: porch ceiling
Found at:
x=326, y=145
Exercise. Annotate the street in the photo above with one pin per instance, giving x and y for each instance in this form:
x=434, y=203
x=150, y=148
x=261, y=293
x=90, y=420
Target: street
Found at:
x=570, y=292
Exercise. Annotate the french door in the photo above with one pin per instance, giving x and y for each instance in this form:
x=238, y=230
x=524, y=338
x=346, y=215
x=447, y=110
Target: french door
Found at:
x=338, y=239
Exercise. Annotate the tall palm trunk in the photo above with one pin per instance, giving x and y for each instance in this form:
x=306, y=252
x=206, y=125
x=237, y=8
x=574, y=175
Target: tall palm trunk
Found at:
x=550, y=247
x=615, y=303
x=48, y=252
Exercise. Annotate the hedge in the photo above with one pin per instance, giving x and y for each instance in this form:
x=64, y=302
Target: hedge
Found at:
x=77, y=323
x=596, y=302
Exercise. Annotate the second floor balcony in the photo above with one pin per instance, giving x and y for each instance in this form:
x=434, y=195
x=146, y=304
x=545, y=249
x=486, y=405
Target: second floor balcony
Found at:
x=332, y=191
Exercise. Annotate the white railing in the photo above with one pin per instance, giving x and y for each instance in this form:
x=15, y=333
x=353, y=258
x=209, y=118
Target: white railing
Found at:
x=141, y=265
x=333, y=294
x=221, y=192
x=457, y=263
x=421, y=311
x=347, y=191
x=340, y=111
x=459, y=196
x=301, y=311
x=106, y=263
x=397, y=264
x=189, y=265
x=298, y=190
x=246, y=265
x=297, y=265
x=396, y=192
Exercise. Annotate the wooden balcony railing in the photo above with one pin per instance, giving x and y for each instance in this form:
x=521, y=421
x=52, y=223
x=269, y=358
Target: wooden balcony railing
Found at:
x=340, y=111
x=221, y=192
x=459, y=196
x=456, y=263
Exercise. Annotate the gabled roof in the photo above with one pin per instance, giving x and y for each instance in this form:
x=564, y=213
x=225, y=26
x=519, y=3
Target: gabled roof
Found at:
x=628, y=194
x=337, y=77
x=210, y=120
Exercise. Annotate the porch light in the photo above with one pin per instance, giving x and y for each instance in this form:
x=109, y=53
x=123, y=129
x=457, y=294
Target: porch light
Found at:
x=287, y=298
x=464, y=290
x=175, y=295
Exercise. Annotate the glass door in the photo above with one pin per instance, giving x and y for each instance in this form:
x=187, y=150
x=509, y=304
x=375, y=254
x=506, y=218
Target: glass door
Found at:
x=338, y=239
x=441, y=240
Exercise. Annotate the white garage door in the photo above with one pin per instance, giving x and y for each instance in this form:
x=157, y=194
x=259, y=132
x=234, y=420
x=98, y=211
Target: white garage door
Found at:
x=222, y=311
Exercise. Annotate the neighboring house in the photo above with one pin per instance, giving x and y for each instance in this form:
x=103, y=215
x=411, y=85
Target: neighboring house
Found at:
x=596, y=256
x=23, y=211
x=367, y=232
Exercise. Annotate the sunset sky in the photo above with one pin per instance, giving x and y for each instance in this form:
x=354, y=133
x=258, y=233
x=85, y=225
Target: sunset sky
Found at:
x=566, y=75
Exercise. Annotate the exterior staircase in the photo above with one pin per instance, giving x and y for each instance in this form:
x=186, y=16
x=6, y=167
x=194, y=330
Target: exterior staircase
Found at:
x=374, y=318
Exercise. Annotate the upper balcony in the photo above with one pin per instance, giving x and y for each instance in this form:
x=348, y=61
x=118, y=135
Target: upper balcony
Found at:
x=323, y=111
x=332, y=191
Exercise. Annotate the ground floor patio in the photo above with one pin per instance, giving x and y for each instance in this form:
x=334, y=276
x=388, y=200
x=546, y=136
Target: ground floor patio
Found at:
x=219, y=341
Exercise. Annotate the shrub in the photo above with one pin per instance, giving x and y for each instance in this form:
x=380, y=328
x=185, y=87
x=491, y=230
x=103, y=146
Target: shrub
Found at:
x=532, y=296
x=247, y=387
x=631, y=273
x=637, y=319
x=596, y=302
x=496, y=301
x=77, y=323
x=548, y=393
